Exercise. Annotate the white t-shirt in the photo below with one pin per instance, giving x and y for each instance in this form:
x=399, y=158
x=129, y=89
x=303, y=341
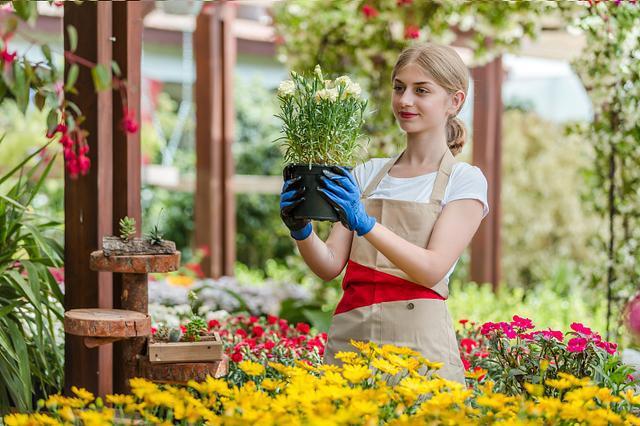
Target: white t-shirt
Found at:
x=466, y=182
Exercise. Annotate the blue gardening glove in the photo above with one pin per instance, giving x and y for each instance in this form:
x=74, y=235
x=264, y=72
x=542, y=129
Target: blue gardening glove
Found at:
x=341, y=190
x=290, y=197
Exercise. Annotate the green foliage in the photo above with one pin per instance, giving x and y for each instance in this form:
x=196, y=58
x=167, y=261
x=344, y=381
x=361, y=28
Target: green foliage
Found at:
x=543, y=221
x=610, y=71
x=31, y=365
x=322, y=119
x=338, y=35
x=195, y=327
x=155, y=236
x=127, y=228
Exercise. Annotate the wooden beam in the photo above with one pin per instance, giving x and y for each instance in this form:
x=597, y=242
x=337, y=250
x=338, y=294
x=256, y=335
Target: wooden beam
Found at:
x=487, y=142
x=127, y=52
x=215, y=57
x=87, y=200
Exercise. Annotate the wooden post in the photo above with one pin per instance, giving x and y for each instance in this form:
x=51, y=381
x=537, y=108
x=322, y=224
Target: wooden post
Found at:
x=215, y=57
x=487, y=142
x=127, y=53
x=87, y=200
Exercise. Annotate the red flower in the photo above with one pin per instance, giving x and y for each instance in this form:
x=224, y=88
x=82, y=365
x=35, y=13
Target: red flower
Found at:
x=480, y=377
x=241, y=333
x=213, y=323
x=468, y=344
x=129, y=123
x=183, y=328
x=153, y=330
x=268, y=345
x=250, y=342
x=196, y=268
x=253, y=319
x=7, y=57
x=206, y=252
x=463, y=321
x=369, y=11
x=272, y=319
x=580, y=328
x=257, y=331
x=236, y=357
x=577, y=344
x=223, y=333
x=302, y=327
x=411, y=32
x=466, y=364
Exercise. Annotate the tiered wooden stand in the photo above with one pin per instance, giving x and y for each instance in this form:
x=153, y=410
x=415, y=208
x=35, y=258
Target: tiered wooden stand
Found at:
x=132, y=324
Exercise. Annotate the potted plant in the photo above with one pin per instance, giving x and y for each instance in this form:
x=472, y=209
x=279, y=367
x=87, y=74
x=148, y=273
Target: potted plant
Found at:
x=193, y=342
x=322, y=126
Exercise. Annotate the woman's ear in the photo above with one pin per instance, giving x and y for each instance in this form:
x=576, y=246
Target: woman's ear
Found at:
x=457, y=99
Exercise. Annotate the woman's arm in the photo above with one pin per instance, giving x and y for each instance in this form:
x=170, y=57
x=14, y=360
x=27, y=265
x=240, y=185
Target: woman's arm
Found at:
x=451, y=234
x=327, y=259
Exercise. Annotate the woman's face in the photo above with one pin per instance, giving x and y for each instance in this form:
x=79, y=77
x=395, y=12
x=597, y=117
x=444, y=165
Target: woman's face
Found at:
x=419, y=104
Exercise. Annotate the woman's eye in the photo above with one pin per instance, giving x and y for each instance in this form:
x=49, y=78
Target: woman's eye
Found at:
x=396, y=88
x=422, y=90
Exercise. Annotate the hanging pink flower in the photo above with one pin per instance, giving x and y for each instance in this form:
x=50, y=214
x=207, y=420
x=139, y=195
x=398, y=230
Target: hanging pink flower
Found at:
x=129, y=123
x=577, y=344
x=411, y=32
x=369, y=11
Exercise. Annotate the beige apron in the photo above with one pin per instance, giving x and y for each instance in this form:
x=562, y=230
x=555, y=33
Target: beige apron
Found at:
x=380, y=302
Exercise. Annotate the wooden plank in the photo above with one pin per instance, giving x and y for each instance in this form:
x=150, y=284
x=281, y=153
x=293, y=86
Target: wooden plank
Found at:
x=182, y=373
x=98, y=322
x=127, y=52
x=135, y=264
x=214, y=47
x=87, y=200
x=487, y=141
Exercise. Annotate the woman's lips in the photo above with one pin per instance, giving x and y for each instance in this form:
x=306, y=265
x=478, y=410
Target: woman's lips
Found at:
x=407, y=115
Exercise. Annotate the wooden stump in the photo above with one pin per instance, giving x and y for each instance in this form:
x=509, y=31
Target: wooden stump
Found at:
x=135, y=264
x=114, y=246
x=97, y=322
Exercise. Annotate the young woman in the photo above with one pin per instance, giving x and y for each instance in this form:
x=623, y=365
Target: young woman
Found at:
x=405, y=220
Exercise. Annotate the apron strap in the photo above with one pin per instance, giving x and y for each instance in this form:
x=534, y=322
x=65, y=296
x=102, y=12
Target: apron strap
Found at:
x=376, y=180
x=442, y=178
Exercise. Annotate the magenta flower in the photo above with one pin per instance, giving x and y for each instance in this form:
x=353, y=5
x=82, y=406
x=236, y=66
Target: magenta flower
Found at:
x=524, y=323
x=608, y=346
x=581, y=328
x=577, y=344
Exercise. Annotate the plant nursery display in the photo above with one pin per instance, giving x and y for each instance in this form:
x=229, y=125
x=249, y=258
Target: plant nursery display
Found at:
x=322, y=125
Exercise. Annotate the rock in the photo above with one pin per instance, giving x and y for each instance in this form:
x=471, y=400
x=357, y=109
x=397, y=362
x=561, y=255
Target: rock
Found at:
x=114, y=246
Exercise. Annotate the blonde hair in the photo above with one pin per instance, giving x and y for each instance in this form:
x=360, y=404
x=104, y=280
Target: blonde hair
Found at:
x=445, y=66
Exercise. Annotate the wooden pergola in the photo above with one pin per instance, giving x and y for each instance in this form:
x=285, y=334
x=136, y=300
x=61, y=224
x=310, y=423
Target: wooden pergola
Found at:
x=94, y=203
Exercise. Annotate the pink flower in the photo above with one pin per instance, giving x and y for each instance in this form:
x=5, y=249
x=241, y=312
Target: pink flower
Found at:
x=84, y=164
x=129, y=123
x=411, y=32
x=488, y=327
x=608, y=346
x=369, y=11
x=153, y=330
x=508, y=330
x=302, y=327
x=633, y=316
x=577, y=344
x=582, y=329
x=524, y=323
x=553, y=334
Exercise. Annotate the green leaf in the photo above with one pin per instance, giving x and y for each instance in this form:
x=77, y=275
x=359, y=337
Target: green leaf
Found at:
x=46, y=51
x=52, y=121
x=26, y=10
x=116, y=68
x=72, y=77
x=73, y=37
x=101, y=77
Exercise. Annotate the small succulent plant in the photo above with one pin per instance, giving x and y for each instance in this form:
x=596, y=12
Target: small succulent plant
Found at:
x=155, y=236
x=175, y=334
x=127, y=228
x=162, y=333
x=195, y=327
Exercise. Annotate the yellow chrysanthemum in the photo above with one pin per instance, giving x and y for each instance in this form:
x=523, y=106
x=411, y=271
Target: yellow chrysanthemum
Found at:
x=17, y=420
x=83, y=394
x=534, y=389
x=356, y=373
x=385, y=366
x=251, y=368
x=119, y=399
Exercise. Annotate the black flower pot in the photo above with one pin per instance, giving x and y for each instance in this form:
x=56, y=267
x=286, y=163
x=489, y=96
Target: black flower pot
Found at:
x=315, y=206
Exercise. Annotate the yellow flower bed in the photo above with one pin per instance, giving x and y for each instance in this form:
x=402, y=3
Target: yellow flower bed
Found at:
x=358, y=393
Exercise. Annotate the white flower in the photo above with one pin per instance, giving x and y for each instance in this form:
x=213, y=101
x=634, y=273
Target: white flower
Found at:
x=287, y=88
x=343, y=80
x=327, y=94
x=318, y=72
x=353, y=89
x=328, y=84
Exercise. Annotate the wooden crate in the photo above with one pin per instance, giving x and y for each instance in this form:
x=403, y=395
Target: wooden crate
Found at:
x=201, y=351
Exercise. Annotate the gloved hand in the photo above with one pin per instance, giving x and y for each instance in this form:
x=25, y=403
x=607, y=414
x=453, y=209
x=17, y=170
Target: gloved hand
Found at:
x=341, y=190
x=290, y=197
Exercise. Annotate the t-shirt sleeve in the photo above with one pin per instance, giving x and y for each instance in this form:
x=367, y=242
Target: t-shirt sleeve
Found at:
x=468, y=183
x=362, y=174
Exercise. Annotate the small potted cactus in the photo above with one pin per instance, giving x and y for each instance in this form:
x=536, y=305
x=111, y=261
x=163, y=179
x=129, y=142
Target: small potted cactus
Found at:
x=193, y=342
x=128, y=244
x=322, y=126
